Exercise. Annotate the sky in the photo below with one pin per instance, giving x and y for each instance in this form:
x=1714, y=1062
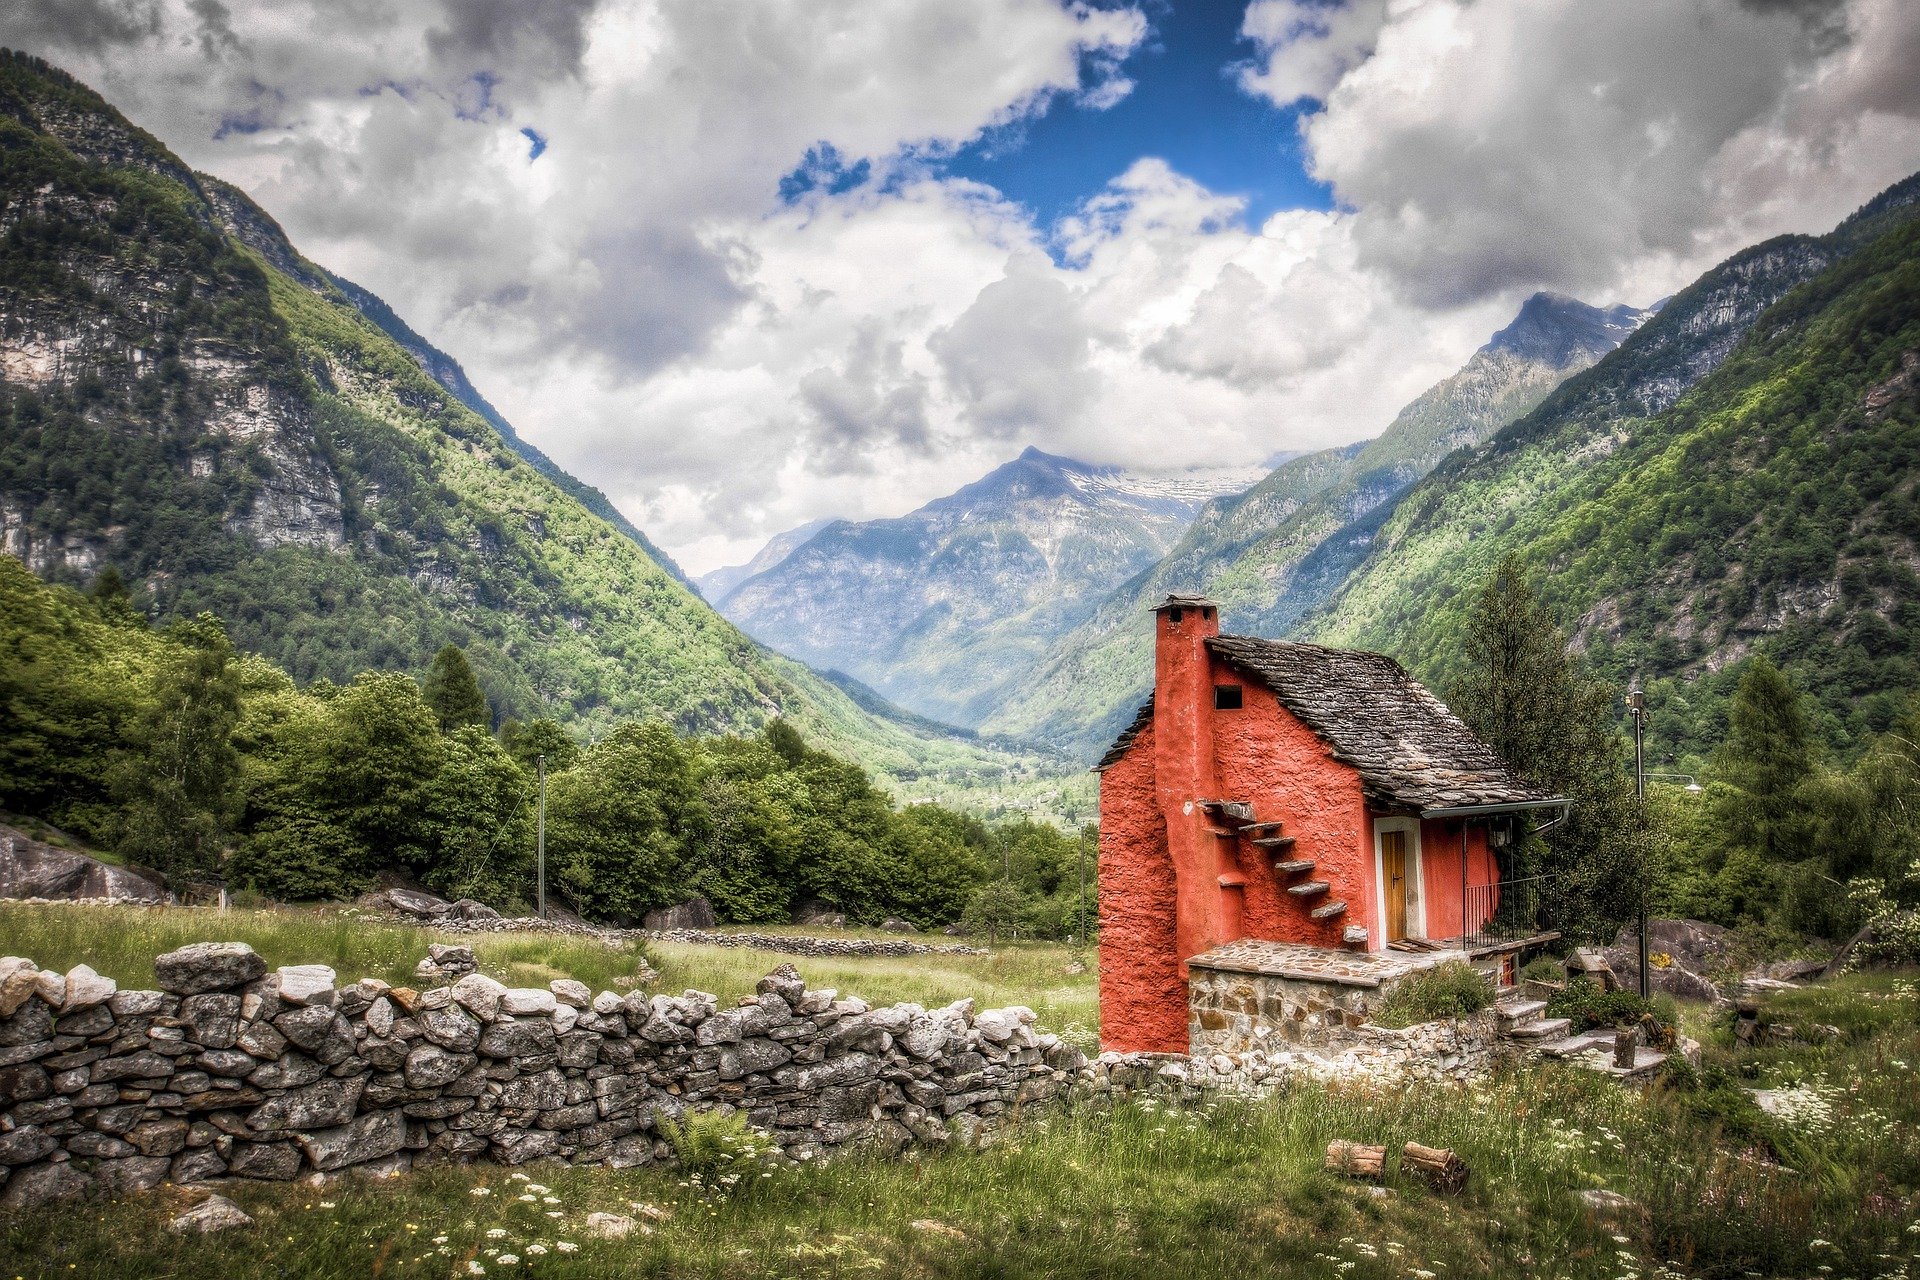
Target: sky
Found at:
x=747, y=263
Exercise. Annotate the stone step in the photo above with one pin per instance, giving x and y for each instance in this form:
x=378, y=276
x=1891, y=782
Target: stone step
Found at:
x=1262, y=828
x=1574, y=1046
x=1328, y=910
x=1541, y=1029
x=1294, y=866
x=1518, y=1012
x=1310, y=889
x=1274, y=844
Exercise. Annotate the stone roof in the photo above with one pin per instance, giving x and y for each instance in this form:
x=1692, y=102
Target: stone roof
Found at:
x=1304, y=963
x=1409, y=750
x=1141, y=719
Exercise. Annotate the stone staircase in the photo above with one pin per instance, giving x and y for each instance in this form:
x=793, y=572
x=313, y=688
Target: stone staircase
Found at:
x=1522, y=1024
x=1235, y=821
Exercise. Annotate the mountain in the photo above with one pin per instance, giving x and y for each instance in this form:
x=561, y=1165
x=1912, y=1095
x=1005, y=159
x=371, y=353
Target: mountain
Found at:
x=1743, y=473
x=938, y=609
x=1271, y=554
x=717, y=584
x=186, y=399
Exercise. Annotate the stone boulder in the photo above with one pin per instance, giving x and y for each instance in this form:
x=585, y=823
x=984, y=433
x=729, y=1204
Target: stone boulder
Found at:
x=819, y=915
x=31, y=868
x=694, y=913
x=467, y=909
x=215, y=1213
x=894, y=924
x=208, y=966
x=1692, y=949
x=412, y=902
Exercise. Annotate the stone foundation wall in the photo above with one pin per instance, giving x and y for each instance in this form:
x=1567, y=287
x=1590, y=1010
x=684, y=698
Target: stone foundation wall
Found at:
x=231, y=1071
x=1231, y=1012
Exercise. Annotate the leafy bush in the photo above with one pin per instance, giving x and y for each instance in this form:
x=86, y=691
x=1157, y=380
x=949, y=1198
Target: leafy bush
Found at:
x=1589, y=1006
x=710, y=1145
x=1451, y=990
x=1544, y=969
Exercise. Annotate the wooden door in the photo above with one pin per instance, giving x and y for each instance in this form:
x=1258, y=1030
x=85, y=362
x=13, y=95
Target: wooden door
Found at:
x=1393, y=871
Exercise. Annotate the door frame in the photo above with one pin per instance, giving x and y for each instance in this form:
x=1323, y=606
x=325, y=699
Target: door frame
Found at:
x=1416, y=886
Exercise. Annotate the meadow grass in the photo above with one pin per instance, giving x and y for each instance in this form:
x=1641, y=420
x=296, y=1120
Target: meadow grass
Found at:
x=1147, y=1188
x=121, y=942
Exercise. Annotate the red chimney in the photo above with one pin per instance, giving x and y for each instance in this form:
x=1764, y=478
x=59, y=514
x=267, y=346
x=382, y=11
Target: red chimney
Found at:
x=1183, y=762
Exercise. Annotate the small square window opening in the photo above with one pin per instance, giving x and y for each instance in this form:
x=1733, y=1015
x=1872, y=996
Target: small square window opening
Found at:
x=1226, y=697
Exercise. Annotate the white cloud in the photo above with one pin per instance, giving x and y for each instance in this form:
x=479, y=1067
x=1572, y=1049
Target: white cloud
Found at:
x=642, y=305
x=1593, y=147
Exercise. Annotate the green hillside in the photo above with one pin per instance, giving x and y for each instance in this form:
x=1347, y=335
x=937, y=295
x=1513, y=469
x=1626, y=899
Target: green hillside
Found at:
x=1770, y=506
x=186, y=399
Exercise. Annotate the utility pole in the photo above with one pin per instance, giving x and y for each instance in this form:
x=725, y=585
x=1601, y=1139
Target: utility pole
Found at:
x=1637, y=704
x=540, y=836
x=1083, y=889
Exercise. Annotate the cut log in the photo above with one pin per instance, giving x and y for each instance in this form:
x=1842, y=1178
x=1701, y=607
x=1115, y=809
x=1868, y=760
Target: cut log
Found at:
x=1438, y=1168
x=1626, y=1046
x=1355, y=1159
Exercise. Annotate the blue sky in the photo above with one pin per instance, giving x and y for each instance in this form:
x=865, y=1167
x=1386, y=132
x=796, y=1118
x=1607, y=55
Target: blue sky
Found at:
x=1186, y=107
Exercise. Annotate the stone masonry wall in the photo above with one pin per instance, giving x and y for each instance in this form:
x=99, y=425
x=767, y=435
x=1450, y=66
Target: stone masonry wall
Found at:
x=1232, y=1012
x=231, y=1071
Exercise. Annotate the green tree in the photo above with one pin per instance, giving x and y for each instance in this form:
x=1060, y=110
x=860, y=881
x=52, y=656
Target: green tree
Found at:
x=1554, y=724
x=454, y=693
x=1766, y=760
x=997, y=907
x=535, y=738
x=621, y=823
x=379, y=749
x=478, y=837
x=180, y=788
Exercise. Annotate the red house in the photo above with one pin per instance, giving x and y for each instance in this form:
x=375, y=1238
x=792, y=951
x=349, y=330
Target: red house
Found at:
x=1314, y=808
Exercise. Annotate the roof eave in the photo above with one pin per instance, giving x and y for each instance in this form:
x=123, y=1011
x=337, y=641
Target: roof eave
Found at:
x=1507, y=806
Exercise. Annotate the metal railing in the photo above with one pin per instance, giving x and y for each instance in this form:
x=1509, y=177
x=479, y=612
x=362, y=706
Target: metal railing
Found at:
x=1509, y=910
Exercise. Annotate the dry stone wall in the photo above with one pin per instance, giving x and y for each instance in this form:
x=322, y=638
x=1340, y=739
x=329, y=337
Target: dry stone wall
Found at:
x=230, y=1070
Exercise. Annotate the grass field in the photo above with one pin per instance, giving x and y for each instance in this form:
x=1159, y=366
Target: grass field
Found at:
x=1057, y=982
x=1718, y=1188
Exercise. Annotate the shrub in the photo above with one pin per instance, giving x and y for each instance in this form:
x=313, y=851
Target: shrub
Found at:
x=714, y=1147
x=1544, y=969
x=1451, y=990
x=1588, y=1006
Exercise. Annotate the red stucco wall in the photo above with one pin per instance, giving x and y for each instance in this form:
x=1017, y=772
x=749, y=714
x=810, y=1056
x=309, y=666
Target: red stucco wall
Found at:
x=1268, y=758
x=1442, y=844
x=1143, y=985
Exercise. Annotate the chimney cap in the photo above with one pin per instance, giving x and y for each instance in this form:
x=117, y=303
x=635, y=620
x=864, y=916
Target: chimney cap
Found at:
x=1184, y=600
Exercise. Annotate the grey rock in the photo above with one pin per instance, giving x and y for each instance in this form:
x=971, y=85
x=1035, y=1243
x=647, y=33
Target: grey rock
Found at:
x=468, y=909
x=411, y=902
x=42, y=1185
x=322, y=1032
x=31, y=868
x=316, y=1106
x=429, y=1066
x=450, y=1028
x=784, y=982
x=521, y=1001
x=481, y=994
x=694, y=913
x=99, y=1146
x=261, y=1040
x=160, y=1137
x=200, y=1165
x=521, y=1039
x=23, y=1084
x=208, y=966
x=25, y=1145
x=307, y=984
x=140, y=1004
x=267, y=1161
x=894, y=924
x=30, y=1024
x=289, y=1072
x=750, y=1057
x=368, y=1137
x=520, y=1146
x=572, y=993
x=145, y=1065
x=130, y=1174
x=213, y=1019
x=86, y=990
x=215, y=1213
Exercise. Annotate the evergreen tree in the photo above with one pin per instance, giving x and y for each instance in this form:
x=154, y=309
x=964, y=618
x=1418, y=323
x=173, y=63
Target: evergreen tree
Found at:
x=1765, y=761
x=180, y=788
x=1554, y=724
x=453, y=692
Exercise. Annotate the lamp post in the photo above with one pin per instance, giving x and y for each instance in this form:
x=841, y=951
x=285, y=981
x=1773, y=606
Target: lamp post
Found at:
x=1637, y=705
x=540, y=836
